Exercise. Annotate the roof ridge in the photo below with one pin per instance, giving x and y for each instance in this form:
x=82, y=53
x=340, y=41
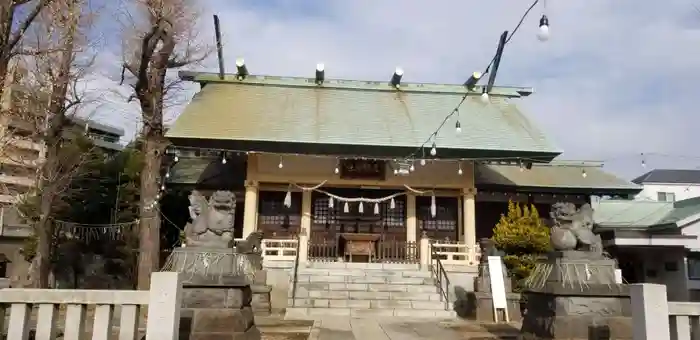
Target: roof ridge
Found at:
x=350, y=84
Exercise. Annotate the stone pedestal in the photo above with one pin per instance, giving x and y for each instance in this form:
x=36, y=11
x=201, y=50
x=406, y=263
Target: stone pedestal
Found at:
x=218, y=312
x=217, y=297
x=557, y=312
x=573, y=295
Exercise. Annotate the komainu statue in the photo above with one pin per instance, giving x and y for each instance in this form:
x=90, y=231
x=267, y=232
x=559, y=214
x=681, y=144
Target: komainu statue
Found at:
x=251, y=245
x=573, y=228
x=212, y=220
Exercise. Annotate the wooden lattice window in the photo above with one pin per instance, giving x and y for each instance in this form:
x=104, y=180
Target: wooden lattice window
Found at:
x=394, y=217
x=272, y=211
x=445, y=214
x=322, y=211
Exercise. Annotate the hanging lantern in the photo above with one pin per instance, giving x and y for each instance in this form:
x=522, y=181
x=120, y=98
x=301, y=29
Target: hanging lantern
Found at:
x=392, y=204
x=376, y=208
x=330, y=202
x=346, y=208
x=433, y=207
x=361, y=209
x=288, y=199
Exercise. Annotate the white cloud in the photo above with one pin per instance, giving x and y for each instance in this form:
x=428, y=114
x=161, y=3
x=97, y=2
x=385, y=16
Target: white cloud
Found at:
x=616, y=78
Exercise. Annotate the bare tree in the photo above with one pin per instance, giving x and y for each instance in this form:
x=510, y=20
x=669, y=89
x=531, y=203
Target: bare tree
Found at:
x=163, y=38
x=53, y=94
x=13, y=28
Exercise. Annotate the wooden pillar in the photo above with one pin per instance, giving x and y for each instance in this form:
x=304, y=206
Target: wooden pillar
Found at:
x=469, y=218
x=305, y=229
x=411, y=222
x=250, y=208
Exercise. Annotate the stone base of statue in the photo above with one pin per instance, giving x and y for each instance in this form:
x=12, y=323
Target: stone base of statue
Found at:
x=573, y=295
x=217, y=294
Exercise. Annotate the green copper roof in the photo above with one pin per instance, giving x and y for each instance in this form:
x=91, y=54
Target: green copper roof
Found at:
x=645, y=214
x=557, y=175
x=631, y=214
x=295, y=110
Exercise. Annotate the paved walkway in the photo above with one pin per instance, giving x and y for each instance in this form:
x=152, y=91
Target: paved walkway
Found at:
x=343, y=328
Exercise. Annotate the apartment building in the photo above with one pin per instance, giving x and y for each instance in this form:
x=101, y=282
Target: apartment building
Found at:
x=23, y=150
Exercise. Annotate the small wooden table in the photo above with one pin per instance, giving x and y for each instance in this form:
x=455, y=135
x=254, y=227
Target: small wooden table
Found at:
x=360, y=244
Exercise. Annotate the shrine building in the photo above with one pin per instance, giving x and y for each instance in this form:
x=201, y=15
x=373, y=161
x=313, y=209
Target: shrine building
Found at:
x=318, y=161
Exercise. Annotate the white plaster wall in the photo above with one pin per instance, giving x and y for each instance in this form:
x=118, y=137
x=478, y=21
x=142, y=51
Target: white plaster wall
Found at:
x=682, y=191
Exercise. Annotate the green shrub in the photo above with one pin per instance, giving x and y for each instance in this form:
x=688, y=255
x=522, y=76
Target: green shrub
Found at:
x=523, y=237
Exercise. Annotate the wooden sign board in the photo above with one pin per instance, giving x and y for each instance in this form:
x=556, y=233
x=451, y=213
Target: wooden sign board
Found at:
x=498, y=287
x=362, y=169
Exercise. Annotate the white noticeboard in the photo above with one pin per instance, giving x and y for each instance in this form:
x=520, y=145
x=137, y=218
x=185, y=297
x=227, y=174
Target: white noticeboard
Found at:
x=498, y=288
x=618, y=276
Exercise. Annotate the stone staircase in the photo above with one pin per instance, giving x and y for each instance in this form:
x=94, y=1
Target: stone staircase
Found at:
x=365, y=290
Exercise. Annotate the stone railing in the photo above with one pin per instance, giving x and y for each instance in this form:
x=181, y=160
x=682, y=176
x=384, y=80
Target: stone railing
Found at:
x=163, y=301
x=276, y=249
x=279, y=249
x=655, y=318
x=456, y=253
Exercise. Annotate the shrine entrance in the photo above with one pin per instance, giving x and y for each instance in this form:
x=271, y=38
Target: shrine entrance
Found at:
x=359, y=225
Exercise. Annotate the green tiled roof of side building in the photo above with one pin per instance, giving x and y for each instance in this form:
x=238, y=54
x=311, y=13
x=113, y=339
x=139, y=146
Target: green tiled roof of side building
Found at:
x=645, y=214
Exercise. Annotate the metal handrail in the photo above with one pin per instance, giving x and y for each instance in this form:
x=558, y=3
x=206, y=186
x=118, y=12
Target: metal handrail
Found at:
x=440, y=274
x=295, y=275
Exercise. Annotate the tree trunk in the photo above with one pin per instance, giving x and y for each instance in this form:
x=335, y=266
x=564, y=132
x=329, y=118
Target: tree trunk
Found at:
x=44, y=228
x=149, y=224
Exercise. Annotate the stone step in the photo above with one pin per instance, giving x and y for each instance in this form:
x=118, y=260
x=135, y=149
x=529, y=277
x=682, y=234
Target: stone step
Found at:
x=353, y=295
x=366, y=304
x=364, y=272
x=362, y=287
x=354, y=265
x=304, y=313
x=399, y=280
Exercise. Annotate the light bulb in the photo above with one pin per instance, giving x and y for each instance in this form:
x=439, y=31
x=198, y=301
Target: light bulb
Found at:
x=485, y=97
x=177, y=159
x=459, y=171
x=412, y=168
x=458, y=127
x=396, y=171
x=223, y=160
x=543, y=33
x=280, y=165
x=162, y=187
x=583, y=173
x=433, y=150
x=336, y=170
x=422, y=162
x=167, y=174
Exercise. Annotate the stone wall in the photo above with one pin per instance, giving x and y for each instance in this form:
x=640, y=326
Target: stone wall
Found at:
x=221, y=313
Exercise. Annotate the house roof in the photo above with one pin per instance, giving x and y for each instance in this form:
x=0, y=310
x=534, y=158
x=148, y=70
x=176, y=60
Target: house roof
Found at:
x=645, y=214
x=669, y=176
x=261, y=112
x=557, y=176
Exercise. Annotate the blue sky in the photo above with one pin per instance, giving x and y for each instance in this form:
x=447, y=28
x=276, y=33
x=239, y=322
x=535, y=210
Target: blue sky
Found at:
x=616, y=79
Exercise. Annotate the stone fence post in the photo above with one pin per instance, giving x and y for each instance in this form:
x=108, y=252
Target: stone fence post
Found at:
x=164, y=304
x=425, y=251
x=650, y=316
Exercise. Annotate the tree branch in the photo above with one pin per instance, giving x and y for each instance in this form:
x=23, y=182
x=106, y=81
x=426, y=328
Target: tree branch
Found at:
x=24, y=25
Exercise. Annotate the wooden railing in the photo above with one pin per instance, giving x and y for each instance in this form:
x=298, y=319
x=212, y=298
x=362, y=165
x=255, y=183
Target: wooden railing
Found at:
x=323, y=250
x=387, y=251
x=455, y=253
x=163, y=301
x=655, y=318
x=396, y=251
x=440, y=274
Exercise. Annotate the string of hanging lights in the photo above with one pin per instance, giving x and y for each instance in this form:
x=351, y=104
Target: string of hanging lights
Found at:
x=470, y=84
